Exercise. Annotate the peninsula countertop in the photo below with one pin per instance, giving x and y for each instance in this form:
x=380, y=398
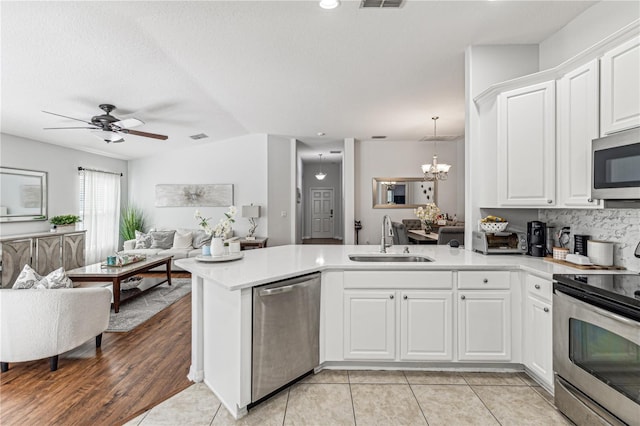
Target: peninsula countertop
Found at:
x=270, y=264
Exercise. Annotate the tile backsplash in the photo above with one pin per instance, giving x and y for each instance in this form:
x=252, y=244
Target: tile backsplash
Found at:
x=620, y=226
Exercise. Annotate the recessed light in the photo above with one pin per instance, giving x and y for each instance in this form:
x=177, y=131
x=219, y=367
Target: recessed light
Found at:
x=321, y=133
x=329, y=4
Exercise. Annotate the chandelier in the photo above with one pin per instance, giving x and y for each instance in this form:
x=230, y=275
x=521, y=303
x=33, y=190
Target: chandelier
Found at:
x=320, y=175
x=435, y=171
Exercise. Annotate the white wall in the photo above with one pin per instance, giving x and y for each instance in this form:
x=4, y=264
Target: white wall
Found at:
x=61, y=164
x=332, y=180
x=594, y=24
x=403, y=159
x=281, y=180
x=239, y=161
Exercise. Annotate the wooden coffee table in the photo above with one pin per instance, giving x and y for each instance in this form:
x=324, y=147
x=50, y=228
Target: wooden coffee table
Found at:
x=114, y=274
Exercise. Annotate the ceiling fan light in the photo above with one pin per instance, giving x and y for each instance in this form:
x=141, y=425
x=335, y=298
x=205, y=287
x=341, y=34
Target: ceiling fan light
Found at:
x=108, y=136
x=329, y=4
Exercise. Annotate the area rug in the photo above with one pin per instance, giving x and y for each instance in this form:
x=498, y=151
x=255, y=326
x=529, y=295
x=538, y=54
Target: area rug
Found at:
x=138, y=310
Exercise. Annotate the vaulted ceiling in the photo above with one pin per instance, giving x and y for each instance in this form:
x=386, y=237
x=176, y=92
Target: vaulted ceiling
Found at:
x=230, y=68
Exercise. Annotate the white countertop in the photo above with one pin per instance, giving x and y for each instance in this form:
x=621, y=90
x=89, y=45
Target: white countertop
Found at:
x=270, y=264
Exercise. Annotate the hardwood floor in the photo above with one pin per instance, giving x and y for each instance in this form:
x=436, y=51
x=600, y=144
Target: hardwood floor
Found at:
x=128, y=375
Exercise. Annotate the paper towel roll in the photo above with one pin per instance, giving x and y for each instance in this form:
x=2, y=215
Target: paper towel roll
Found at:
x=600, y=252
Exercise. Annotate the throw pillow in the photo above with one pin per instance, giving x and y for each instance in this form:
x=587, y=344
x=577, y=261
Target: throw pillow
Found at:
x=162, y=239
x=28, y=278
x=143, y=241
x=55, y=279
x=182, y=240
x=200, y=239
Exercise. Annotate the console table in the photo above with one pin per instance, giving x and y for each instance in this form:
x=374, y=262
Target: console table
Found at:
x=259, y=242
x=43, y=251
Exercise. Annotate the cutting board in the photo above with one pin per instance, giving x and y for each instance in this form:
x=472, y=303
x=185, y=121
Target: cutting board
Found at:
x=585, y=267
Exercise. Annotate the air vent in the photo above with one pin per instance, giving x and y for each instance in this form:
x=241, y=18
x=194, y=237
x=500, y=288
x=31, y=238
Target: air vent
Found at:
x=378, y=137
x=335, y=152
x=198, y=136
x=379, y=4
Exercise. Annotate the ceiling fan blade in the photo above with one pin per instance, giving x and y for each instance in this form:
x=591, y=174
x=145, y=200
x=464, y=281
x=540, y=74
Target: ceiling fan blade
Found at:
x=71, y=118
x=55, y=128
x=144, y=134
x=128, y=123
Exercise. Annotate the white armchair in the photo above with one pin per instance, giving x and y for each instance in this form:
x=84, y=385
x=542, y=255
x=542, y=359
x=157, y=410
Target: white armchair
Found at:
x=36, y=324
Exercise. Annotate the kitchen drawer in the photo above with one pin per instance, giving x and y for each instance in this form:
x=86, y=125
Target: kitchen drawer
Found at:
x=469, y=280
x=539, y=287
x=399, y=279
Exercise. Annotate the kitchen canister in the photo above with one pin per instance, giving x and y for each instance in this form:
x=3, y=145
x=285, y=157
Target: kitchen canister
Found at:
x=600, y=252
x=560, y=253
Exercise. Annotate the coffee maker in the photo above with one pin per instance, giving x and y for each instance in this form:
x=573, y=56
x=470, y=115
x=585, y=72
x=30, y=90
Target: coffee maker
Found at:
x=536, y=238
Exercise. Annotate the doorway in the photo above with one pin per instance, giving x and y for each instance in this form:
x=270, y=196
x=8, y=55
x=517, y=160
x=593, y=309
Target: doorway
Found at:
x=322, y=212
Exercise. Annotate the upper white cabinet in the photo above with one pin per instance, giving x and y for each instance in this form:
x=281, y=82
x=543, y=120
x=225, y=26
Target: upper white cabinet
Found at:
x=526, y=146
x=578, y=105
x=620, y=88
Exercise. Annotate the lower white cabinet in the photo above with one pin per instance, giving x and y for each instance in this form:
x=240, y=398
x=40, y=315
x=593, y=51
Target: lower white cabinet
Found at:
x=484, y=325
x=369, y=325
x=426, y=326
x=538, y=329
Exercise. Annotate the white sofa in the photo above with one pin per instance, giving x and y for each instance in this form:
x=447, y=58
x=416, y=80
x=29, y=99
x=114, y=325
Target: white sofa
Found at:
x=43, y=323
x=177, y=253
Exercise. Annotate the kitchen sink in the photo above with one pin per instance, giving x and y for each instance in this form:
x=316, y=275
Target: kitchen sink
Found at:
x=387, y=258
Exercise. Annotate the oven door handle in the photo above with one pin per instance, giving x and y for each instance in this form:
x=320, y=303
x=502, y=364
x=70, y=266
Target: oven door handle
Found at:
x=607, y=314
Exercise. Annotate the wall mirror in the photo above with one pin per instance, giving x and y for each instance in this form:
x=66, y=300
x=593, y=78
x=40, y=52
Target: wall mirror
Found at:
x=403, y=193
x=24, y=195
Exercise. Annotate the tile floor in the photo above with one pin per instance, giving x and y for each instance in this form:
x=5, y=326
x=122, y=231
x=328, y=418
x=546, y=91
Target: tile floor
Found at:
x=334, y=397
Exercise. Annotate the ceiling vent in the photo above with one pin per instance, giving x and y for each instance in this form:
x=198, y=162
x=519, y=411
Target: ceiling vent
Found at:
x=380, y=4
x=198, y=136
x=335, y=152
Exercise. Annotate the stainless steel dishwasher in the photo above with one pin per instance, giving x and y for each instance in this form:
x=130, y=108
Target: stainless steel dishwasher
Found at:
x=286, y=333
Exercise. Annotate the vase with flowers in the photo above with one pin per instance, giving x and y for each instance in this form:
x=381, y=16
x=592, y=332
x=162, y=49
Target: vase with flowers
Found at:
x=427, y=215
x=219, y=231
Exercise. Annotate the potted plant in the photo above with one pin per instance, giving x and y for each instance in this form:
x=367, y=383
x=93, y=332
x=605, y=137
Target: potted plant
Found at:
x=64, y=222
x=131, y=220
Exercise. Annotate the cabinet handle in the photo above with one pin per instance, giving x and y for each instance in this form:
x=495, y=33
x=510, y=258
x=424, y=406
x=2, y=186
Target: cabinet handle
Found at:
x=485, y=280
x=546, y=309
x=405, y=297
x=463, y=297
x=589, y=200
x=391, y=296
x=549, y=201
x=537, y=286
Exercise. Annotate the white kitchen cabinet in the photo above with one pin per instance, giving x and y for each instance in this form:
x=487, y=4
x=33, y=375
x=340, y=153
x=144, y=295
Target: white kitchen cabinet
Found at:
x=369, y=325
x=484, y=325
x=426, y=325
x=526, y=146
x=538, y=329
x=578, y=106
x=620, y=88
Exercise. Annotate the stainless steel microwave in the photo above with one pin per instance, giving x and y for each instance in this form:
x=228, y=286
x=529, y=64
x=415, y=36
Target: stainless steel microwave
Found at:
x=616, y=166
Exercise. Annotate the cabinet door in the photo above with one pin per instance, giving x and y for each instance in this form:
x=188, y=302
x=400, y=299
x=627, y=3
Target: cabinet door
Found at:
x=73, y=252
x=620, y=88
x=369, y=325
x=526, y=146
x=48, y=254
x=538, y=339
x=15, y=254
x=426, y=325
x=577, y=125
x=484, y=326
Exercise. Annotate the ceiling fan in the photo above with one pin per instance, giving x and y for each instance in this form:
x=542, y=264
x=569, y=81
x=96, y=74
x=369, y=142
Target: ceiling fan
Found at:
x=109, y=128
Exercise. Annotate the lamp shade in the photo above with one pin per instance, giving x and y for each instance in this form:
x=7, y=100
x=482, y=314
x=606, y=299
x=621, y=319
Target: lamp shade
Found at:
x=251, y=211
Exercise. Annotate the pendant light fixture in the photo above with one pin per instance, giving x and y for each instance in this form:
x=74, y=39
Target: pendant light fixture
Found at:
x=320, y=175
x=435, y=171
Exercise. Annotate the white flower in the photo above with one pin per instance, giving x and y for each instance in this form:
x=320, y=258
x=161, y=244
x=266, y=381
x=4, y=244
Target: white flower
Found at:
x=428, y=213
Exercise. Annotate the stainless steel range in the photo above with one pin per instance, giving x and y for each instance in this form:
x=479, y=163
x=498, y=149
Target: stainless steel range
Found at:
x=596, y=348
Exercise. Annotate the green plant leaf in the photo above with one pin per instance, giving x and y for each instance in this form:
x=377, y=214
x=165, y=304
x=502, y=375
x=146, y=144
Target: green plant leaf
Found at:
x=68, y=219
x=131, y=220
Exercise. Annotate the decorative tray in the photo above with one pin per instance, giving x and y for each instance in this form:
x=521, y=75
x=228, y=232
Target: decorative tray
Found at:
x=223, y=258
x=577, y=266
x=125, y=261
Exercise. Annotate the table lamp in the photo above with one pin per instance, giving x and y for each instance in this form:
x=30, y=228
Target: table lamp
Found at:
x=251, y=213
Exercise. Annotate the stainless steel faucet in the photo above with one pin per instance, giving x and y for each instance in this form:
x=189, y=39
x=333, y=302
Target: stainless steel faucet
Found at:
x=387, y=231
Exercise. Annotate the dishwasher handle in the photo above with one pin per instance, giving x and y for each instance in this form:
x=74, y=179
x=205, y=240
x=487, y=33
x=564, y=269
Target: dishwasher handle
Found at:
x=283, y=289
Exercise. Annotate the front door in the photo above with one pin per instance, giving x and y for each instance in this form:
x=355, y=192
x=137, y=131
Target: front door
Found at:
x=321, y=212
